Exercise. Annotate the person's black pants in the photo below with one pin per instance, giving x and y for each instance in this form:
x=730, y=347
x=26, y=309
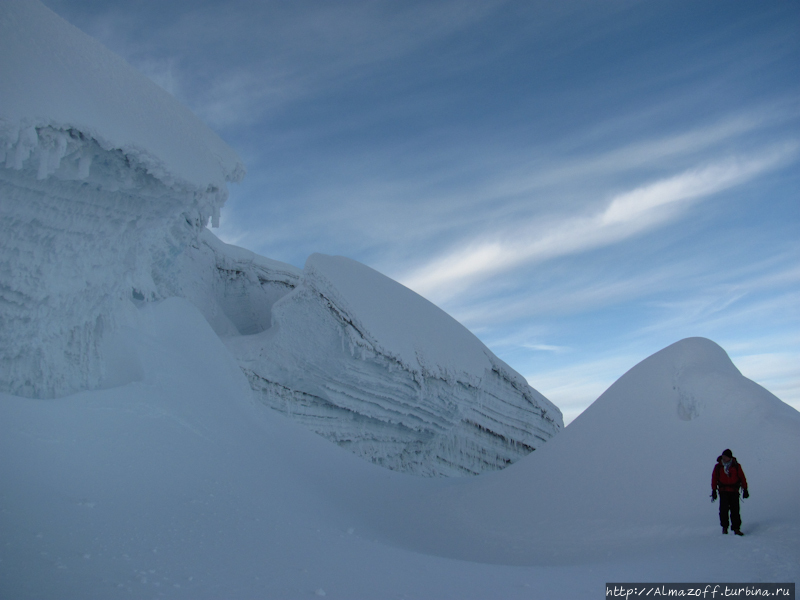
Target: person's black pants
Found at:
x=729, y=502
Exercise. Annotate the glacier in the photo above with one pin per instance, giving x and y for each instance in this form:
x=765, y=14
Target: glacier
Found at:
x=107, y=184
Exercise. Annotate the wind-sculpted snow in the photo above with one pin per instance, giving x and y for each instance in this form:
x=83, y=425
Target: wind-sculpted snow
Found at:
x=371, y=365
x=233, y=288
x=97, y=165
x=106, y=185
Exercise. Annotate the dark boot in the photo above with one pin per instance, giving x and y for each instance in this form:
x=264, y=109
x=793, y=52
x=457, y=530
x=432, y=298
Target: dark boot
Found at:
x=725, y=530
x=737, y=532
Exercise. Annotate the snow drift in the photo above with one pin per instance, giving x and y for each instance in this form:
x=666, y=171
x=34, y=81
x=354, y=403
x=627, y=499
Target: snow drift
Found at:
x=106, y=185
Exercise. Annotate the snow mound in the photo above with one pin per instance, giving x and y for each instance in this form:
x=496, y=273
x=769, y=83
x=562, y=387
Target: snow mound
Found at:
x=369, y=364
x=632, y=471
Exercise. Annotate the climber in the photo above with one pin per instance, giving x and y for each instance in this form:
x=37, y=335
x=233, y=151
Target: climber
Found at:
x=728, y=477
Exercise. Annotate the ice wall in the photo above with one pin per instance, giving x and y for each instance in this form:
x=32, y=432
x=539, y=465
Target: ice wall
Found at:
x=97, y=163
x=369, y=364
x=233, y=288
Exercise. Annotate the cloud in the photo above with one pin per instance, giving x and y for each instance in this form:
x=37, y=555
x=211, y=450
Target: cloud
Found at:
x=240, y=62
x=715, y=304
x=580, y=292
x=546, y=348
x=777, y=371
x=637, y=154
x=627, y=214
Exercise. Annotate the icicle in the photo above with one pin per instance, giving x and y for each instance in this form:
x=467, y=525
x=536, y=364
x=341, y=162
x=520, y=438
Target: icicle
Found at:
x=25, y=144
x=84, y=164
x=53, y=147
x=44, y=159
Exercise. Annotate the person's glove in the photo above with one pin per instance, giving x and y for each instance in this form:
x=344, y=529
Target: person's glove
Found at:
x=745, y=493
x=713, y=496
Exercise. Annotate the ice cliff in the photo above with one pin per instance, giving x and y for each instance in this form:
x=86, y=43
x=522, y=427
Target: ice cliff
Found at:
x=369, y=364
x=106, y=186
x=97, y=163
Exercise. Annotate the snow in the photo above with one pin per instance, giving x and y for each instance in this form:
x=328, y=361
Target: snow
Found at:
x=633, y=472
x=106, y=187
x=181, y=485
x=97, y=165
x=371, y=365
x=406, y=326
x=64, y=81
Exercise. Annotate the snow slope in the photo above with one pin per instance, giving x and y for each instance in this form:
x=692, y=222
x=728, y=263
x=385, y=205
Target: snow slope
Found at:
x=182, y=486
x=371, y=365
x=631, y=473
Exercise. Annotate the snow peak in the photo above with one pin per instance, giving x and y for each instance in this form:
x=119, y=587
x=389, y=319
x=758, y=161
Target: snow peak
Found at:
x=700, y=590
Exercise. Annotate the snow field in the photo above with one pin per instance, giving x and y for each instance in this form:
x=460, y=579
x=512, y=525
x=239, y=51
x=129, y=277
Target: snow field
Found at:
x=182, y=484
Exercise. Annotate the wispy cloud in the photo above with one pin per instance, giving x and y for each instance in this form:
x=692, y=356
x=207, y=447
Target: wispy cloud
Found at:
x=237, y=62
x=771, y=359
x=642, y=153
x=627, y=214
x=578, y=293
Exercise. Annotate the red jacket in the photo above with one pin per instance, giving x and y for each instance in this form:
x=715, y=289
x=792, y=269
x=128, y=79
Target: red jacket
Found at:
x=730, y=481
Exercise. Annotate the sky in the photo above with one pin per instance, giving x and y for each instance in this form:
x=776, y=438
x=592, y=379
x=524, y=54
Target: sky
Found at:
x=579, y=183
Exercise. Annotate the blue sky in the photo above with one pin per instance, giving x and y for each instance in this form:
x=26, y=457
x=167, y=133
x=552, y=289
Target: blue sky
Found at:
x=579, y=183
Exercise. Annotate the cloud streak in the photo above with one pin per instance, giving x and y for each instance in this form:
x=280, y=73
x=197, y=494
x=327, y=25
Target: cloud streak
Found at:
x=627, y=214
